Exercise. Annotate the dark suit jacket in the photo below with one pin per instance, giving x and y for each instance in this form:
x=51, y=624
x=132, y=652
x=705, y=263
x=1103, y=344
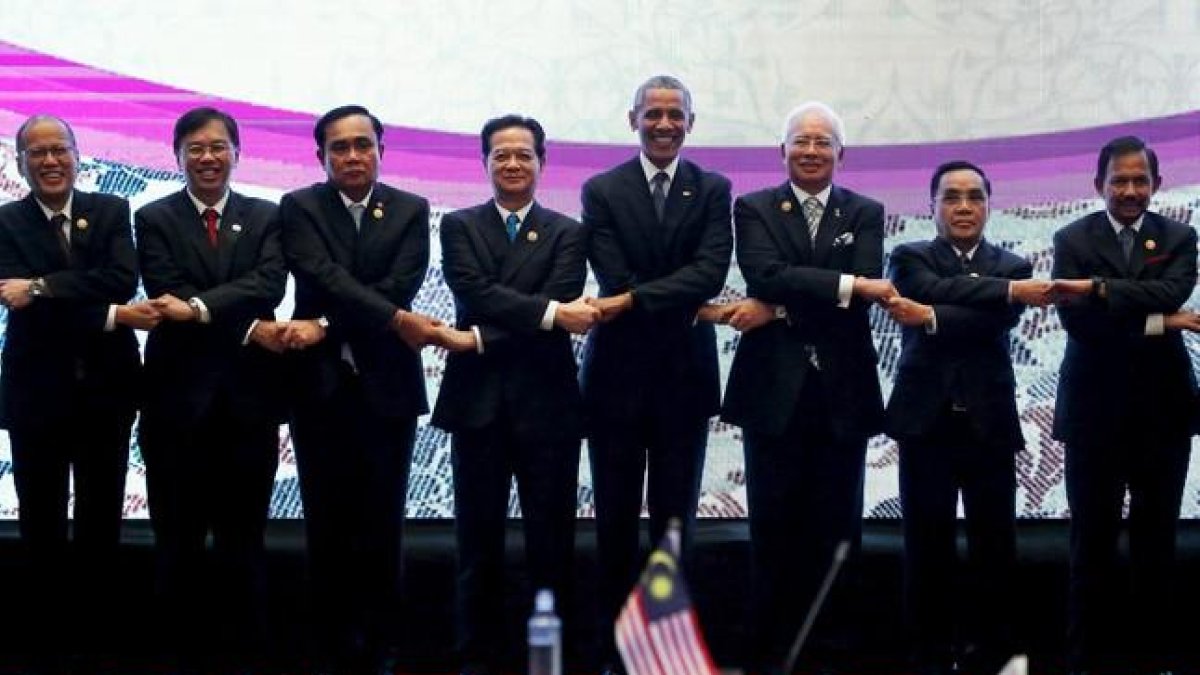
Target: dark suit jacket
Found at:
x=1114, y=378
x=672, y=268
x=358, y=281
x=58, y=344
x=967, y=361
x=188, y=364
x=781, y=267
x=525, y=373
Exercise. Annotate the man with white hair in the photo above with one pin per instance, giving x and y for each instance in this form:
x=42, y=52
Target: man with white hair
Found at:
x=803, y=385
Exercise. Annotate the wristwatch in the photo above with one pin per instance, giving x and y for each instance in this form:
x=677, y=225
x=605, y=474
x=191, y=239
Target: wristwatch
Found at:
x=37, y=288
x=194, y=303
x=323, y=322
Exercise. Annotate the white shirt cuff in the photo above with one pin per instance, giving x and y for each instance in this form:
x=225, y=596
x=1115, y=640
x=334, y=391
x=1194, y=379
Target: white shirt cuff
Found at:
x=548, y=316
x=845, y=290
x=478, y=339
x=205, y=317
x=246, y=337
x=1155, y=324
x=110, y=322
x=931, y=327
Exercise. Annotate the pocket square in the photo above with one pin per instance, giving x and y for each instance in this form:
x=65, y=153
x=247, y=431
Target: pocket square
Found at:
x=844, y=239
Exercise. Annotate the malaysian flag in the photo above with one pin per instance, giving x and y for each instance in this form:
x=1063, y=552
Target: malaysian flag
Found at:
x=657, y=631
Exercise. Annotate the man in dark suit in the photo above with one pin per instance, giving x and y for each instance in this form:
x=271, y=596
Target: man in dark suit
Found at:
x=659, y=246
x=953, y=410
x=511, y=398
x=803, y=384
x=358, y=250
x=211, y=261
x=69, y=378
x=1126, y=405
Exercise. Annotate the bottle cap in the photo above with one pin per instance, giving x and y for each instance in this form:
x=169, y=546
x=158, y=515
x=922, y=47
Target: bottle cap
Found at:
x=544, y=601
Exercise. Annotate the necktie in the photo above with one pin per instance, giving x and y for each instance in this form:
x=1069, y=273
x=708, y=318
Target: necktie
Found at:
x=658, y=192
x=356, y=211
x=210, y=225
x=1126, y=237
x=812, y=213
x=966, y=262
x=511, y=224
x=56, y=223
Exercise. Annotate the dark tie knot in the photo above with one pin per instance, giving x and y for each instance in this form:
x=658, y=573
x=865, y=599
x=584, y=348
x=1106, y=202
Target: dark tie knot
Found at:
x=58, y=219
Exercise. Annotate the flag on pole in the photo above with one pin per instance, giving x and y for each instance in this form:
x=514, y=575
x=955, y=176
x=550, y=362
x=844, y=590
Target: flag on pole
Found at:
x=657, y=631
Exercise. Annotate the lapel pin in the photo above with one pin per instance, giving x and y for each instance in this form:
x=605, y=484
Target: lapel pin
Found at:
x=82, y=224
x=837, y=213
x=378, y=212
x=786, y=207
x=1150, y=245
x=236, y=227
x=687, y=193
x=531, y=236
x=974, y=275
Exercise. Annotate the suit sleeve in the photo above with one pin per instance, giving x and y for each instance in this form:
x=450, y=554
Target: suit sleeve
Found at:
x=612, y=270
x=112, y=281
x=703, y=276
x=237, y=303
x=957, y=320
x=160, y=272
x=915, y=277
x=12, y=263
x=407, y=272
x=1123, y=314
x=309, y=259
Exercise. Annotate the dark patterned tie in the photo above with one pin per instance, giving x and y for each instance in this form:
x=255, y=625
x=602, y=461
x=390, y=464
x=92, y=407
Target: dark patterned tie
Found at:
x=56, y=223
x=812, y=214
x=511, y=224
x=210, y=225
x=1126, y=237
x=658, y=192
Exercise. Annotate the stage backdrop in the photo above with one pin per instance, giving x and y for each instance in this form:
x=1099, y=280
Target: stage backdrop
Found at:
x=1029, y=90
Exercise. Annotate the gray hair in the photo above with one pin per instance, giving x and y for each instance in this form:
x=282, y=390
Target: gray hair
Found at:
x=820, y=110
x=661, y=82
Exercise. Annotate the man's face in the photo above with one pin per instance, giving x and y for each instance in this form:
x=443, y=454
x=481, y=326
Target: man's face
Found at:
x=1128, y=186
x=960, y=208
x=811, y=153
x=351, y=155
x=49, y=162
x=513, y=165
x=207, y=157
x=662, y=122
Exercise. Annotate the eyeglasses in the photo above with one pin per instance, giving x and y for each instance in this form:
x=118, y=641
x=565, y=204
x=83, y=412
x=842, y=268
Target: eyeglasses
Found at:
x=58, y=152
x=361, y=144
x=817, y=142
x=198, y=150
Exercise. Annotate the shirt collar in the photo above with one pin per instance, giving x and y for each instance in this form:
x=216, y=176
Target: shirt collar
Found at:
x=347, y=202
x=65, y=210
x=651, y=170
x=822, y=196
x=201, y=207
x=1117, y=225
x=521, y=212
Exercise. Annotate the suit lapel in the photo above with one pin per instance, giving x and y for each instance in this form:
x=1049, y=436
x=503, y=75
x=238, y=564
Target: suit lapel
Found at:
x=646, y=223
x=791, y=221
x=832, y=223
x=945, y=257
x=339, y=224
x=191, y=226
x=985, y=259
x=1151, y=232
x=78, y=234
x=680, y=199
x=528, y=239
x=1106, y=244
x=232, y=227
x=38, y=240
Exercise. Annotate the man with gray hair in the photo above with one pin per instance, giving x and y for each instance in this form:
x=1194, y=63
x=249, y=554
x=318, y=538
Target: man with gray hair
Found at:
x=803, y=384
x=659, y=245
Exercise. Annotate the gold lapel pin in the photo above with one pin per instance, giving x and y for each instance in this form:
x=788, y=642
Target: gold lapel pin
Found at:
x=687, y=193
x=974, y=275
x=378, y=212
x=1150, y=245
x=236, y=227
x=531, y=236
x=786, y=207
x=82, y=224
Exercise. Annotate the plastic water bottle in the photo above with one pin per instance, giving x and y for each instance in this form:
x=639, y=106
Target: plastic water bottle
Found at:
x=545, y=636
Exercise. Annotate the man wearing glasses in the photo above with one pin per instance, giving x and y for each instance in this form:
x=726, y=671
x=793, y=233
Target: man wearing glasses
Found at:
x=212, y=264
x=359, y=250
x=68, y=380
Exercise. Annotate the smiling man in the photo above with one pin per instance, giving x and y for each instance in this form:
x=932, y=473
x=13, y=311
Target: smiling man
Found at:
x=511, y=398
x=660, y=242
x=69, y=378
x=953, y=410
x=358, y=250
x=803, y=384
x=212, y=264
x=1126, y=406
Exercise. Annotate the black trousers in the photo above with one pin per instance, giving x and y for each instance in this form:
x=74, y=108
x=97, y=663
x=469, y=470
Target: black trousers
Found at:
x=71, y=579
x=485, y=461
x=804, y=490
x=214, y=474
x=1097, y=477
x=664, y=455
x=952, y=459
x=353, y=466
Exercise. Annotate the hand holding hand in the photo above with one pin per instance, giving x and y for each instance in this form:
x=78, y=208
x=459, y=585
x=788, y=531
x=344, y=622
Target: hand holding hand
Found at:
x=577, y=316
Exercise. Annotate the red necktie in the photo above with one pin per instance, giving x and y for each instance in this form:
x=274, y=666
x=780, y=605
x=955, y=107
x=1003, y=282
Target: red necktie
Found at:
x=210, y=223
